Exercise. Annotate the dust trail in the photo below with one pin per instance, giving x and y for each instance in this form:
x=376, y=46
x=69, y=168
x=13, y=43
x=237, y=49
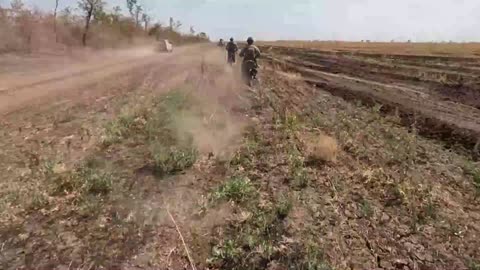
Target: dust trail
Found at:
x=20, y=91
x=215, y=121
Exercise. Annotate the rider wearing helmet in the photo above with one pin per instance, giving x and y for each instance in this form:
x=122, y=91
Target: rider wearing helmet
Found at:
x=232, y=49
x=250, y=52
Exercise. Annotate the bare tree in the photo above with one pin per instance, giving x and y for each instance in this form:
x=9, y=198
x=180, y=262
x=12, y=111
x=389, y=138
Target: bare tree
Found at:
x=178, y=24
x=117, y=11
x=100, y=16
x=155, y=30
x=89, y=7
x=131, y=4
x=65, y=15
x=138, y=11
x=17, y=5
x=146, y=20
x=23, y=20
x=55, y=20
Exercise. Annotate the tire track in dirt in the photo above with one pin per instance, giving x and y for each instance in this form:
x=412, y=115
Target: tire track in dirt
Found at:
x=62, y=76
x=17, y=94
x=446, y=83
x=450, y=122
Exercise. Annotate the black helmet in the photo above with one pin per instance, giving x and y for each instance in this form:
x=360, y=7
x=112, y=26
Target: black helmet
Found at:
x=231, y=39
x=250, y=41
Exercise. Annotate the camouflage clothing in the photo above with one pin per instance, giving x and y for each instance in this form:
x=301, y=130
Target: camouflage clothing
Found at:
x=250, y=53
x=231, y=47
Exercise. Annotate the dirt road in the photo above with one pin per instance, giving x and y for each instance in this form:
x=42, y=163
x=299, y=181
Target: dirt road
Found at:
x=21, y=89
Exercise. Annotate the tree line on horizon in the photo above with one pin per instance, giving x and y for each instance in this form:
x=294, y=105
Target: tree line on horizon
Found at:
x=89, y=23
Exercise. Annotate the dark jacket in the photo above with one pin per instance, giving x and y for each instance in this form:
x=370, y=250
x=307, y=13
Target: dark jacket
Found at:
x=231, y=47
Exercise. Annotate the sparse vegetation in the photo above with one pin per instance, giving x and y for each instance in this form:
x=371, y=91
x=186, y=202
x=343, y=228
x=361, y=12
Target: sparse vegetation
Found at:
x=290, y=121
x=94, y=187
x=473, y=266
x=238, y=189
x=171, y=149
x=248, y=152
x=228, y=252
x=382, y=160
x=87, y=179
x=172, y=159
x=283, y=207
x=366, y=209
x=94, y=191
x=297, y=171
x=473, y=171
x=476, y=179
x=96, y=183
x=119, y=129
x=252, y=247
x=314, y=259
x=259, y=240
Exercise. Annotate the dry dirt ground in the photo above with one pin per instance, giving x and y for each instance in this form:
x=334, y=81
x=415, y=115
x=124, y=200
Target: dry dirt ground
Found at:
x=440, y=95
x=166, y=161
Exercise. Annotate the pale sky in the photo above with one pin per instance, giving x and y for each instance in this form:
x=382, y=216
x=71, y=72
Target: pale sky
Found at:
x=379, y=20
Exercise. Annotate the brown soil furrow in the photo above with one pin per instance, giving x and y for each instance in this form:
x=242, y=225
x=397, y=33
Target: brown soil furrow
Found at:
x=423, y=57
x=448, y=86
x=386, y=63
x=449, y=122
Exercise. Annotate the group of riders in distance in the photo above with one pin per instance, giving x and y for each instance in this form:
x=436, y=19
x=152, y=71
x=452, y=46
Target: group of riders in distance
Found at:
x=250, y=54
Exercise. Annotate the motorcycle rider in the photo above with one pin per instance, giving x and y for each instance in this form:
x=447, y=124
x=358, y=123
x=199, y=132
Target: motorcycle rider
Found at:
x=232, y=49
x=249, y=53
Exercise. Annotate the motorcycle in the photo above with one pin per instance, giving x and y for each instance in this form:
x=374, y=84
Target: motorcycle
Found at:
x=249, y=72
x=231, y=58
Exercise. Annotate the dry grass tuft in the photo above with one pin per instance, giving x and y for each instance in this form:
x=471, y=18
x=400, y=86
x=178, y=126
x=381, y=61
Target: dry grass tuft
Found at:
x=320, y=148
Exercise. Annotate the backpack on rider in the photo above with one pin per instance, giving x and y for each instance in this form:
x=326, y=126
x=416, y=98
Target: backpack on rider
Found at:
x=250, y=54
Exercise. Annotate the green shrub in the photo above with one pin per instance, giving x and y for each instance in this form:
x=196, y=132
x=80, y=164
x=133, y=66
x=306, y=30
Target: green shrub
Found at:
x=237, y=189
x=173, y=159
